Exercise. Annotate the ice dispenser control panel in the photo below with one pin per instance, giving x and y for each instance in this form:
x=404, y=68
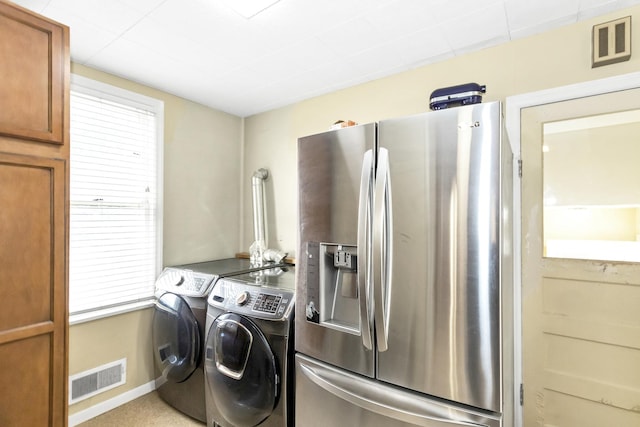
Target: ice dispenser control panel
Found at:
x=250, y=300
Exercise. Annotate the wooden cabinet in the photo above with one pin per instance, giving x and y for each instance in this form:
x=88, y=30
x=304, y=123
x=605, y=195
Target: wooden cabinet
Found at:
x=32, y=89
x=34, y=183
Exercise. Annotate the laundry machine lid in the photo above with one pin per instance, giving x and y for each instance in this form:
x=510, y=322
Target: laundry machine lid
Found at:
x=176, y=338
x=241, y=370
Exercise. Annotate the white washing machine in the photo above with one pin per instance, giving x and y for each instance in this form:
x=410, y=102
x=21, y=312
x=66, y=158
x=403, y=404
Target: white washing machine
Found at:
x=249, y=350
x=178, y=330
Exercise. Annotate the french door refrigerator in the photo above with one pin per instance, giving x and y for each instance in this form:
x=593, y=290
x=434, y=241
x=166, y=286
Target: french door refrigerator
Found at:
x=404, y=273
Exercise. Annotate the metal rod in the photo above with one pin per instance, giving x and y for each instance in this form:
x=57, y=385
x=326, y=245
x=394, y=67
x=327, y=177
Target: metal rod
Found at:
x=259, y=207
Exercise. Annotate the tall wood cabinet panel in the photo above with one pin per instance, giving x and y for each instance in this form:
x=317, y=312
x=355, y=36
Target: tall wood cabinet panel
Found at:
x=34, y=217
x=36, y=72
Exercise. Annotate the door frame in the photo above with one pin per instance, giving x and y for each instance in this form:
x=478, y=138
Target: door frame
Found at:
x=513, y=107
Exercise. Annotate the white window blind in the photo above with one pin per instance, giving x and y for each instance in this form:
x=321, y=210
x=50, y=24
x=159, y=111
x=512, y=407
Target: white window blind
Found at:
x=115, y=227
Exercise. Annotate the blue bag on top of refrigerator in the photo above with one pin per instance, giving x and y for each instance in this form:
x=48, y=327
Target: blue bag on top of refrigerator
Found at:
x=454, y=96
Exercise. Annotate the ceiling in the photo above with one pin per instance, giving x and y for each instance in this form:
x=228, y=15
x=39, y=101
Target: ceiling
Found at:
x=204, y=51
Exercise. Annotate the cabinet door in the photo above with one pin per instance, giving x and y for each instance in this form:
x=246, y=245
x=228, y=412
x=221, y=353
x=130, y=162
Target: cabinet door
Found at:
x=34, y=63
x=33, y=318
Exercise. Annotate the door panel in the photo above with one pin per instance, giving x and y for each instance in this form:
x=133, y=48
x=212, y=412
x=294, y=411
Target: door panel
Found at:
x=26, y=211
x=580, y=323
x=33, y=320
x=445, y=177
x=327, y=298
x=33, y=89
x=26, y=397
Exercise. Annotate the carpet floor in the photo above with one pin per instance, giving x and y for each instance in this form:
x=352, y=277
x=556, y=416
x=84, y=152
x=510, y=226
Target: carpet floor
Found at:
x=145, y=411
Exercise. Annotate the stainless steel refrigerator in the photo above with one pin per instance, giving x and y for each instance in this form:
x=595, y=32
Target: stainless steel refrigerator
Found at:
x=404, y=273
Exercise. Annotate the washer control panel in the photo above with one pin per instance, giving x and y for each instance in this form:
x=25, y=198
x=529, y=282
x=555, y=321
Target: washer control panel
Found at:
x=184, y=282
x=251, y=300
x=267, y=303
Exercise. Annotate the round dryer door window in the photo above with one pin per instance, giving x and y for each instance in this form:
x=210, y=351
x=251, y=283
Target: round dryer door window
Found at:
x=241, y=370
x=176, y=338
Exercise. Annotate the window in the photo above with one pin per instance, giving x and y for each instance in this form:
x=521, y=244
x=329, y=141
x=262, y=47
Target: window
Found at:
x=115, y=198
x=591, y=193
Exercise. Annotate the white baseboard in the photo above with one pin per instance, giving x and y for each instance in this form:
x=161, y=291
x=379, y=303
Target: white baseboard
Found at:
x=107, y=405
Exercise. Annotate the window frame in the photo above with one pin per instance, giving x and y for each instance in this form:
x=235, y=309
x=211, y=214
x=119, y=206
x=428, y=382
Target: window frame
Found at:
x=116, y=94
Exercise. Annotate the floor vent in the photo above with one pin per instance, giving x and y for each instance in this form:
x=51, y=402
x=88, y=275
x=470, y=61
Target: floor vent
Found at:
x=96, y=380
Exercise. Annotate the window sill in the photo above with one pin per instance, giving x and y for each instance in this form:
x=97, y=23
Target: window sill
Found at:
x=76, y=319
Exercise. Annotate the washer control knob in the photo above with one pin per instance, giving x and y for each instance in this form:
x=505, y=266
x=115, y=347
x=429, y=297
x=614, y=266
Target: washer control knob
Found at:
x=243, y=298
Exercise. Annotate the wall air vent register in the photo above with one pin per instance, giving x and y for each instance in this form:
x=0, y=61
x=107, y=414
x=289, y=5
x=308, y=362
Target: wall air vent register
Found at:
x=97, y=380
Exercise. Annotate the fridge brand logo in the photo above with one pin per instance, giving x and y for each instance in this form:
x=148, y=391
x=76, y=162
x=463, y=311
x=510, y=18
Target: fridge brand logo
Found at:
x=464, y=125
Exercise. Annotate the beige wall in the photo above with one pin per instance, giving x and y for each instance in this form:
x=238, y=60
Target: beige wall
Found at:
x=556, y=58
x=202, y=156
x=592, y=176
x=593, y=167
x=590, y=223
x=106, y=340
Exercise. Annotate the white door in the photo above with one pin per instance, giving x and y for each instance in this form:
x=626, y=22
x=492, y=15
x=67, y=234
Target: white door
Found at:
x=581, y=316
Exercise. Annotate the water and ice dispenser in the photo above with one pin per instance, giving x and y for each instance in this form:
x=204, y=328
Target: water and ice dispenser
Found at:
x=332, y=286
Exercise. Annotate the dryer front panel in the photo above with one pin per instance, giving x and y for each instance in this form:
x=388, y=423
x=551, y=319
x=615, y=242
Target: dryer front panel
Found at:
x=241, y=372
x=176, y=338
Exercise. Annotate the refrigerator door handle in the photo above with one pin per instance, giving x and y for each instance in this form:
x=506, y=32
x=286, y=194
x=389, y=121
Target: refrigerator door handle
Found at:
x=364, y=251
x=382, y=249
x=368, y=396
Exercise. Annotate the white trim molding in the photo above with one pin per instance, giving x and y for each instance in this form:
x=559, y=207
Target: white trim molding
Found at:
x=564, y=93
x=107, y=405
x=513, y=107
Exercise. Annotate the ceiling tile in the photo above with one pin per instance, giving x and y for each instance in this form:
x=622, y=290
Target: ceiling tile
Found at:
x=397, y=19
x=591, y=8
x=381, y=60
x=297, y=59
x=525, y=15
x=355, y=35
x=203, y=51
x=471, y=31
x=626, y=3
x=35, y=5
x=114, y=15
x=450, y=12
x=132, y=61
x=420, y=47
x=203, y=21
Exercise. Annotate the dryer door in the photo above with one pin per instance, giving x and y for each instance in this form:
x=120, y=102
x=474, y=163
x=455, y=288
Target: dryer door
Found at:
x=176, y=338
x=241, y=370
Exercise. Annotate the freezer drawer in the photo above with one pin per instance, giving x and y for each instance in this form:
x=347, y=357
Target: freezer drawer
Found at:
x=327, y=396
